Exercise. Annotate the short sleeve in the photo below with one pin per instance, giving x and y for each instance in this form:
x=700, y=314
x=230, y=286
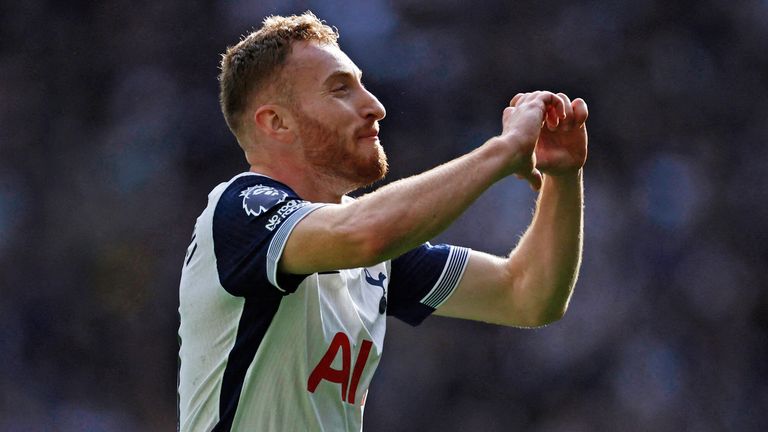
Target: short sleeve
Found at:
x=423, y=279
x=251, y=224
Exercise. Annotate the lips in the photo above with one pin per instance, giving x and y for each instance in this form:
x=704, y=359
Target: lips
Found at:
x=369, y=134
x=372, y=132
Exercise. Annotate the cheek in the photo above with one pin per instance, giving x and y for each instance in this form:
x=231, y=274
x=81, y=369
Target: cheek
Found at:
x=325, y=131
x=320, y=142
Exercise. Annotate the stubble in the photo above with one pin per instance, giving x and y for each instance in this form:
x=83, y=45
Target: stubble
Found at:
x=330, y=155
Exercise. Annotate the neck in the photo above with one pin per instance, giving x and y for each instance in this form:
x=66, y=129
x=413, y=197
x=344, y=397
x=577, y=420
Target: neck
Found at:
x=288, y=165
x=306, y=182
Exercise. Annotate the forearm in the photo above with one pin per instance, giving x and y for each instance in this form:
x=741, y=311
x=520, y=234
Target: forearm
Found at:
x=406, y=213
x=394, y=219
x=548, y=256
x=532, y=286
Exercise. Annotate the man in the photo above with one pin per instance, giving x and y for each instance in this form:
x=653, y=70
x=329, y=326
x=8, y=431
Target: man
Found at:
x=287, y=283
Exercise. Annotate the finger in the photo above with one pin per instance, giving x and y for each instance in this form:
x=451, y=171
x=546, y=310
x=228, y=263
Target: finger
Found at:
x=534, y=179
x=553, y=100
x=580, y=112
x=505, y=116
x=516, y=100
x=552, y=119
x=566, y=104
x=507, y=112
x=526, y=98
x=567, y=124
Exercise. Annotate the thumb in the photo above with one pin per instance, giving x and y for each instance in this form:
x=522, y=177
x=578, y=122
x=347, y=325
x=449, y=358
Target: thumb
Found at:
x=534, y=179
x=505, y=117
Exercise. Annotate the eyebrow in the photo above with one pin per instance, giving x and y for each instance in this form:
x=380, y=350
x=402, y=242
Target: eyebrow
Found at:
x=344, y=74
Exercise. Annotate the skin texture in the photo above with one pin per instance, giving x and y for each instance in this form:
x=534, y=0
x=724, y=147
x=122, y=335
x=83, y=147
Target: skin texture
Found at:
x=322, y=141
x=324, y=144
x=330, y=156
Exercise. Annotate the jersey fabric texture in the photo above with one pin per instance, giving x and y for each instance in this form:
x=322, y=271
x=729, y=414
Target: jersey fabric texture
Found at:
x=266, y=351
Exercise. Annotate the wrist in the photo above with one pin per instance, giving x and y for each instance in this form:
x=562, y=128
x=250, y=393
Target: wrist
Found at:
x=512, y=158
x=564, y=179
x=574, y=173
x=496, y=151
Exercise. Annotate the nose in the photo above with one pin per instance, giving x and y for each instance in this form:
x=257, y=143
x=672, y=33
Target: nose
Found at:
x=372, y=108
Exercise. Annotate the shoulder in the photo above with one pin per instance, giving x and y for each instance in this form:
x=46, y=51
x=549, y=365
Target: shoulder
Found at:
x=247, y=230
x=253, y=195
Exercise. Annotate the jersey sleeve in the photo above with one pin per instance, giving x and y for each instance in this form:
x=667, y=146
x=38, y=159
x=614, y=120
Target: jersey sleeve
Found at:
x=251, y=224
x=423, y=279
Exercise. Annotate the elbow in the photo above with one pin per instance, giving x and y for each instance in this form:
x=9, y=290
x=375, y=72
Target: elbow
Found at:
x=554, y=308
x=551, y=316
x=534, y=318
x=533, y=305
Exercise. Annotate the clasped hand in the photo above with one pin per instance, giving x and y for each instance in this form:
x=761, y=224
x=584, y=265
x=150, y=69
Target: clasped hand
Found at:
x=548, y=135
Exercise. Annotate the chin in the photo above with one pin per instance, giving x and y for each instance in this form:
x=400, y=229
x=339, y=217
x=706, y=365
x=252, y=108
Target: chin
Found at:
x=380, y=163
x=373, y=169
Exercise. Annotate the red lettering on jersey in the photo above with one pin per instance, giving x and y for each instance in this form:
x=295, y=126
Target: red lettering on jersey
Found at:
x=362, y=358
x=324, y=371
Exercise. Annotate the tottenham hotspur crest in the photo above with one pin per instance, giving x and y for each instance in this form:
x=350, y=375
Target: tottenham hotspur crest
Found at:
x=258, y=199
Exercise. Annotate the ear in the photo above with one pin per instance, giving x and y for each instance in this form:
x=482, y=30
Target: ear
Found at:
x=274, y=121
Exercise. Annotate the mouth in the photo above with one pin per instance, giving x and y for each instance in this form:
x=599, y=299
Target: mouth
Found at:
x=369, y=134
x=371, y=137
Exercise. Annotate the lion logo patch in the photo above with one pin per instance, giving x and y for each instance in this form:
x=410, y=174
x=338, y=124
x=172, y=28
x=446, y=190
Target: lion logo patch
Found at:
x=258, y=199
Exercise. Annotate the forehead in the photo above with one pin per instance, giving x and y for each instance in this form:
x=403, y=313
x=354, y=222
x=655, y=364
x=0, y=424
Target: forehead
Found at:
x=311, y=64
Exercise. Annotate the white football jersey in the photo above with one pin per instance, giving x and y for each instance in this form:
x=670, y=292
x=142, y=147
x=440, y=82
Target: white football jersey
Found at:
x=266, y=351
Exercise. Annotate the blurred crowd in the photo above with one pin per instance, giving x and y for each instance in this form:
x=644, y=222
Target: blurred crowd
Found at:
x=111, y=137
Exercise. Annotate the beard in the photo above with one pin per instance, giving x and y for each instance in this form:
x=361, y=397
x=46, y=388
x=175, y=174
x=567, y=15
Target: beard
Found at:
x=329, y=153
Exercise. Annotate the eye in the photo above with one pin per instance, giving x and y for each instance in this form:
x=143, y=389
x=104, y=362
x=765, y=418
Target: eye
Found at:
x=339, y=88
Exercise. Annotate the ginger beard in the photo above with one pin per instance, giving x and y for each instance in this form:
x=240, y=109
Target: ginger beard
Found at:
x=328, y=151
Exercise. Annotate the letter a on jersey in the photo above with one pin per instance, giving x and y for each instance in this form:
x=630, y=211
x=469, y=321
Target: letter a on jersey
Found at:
x=324, y=370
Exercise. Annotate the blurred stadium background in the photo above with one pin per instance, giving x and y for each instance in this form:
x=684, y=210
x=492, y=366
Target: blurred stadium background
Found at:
x=111, y=138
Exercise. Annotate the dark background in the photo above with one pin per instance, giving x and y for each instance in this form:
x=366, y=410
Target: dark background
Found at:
x=111, y=138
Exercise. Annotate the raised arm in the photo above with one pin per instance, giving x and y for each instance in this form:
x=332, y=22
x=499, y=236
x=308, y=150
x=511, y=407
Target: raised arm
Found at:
x=400, y=216
x=532, y=286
